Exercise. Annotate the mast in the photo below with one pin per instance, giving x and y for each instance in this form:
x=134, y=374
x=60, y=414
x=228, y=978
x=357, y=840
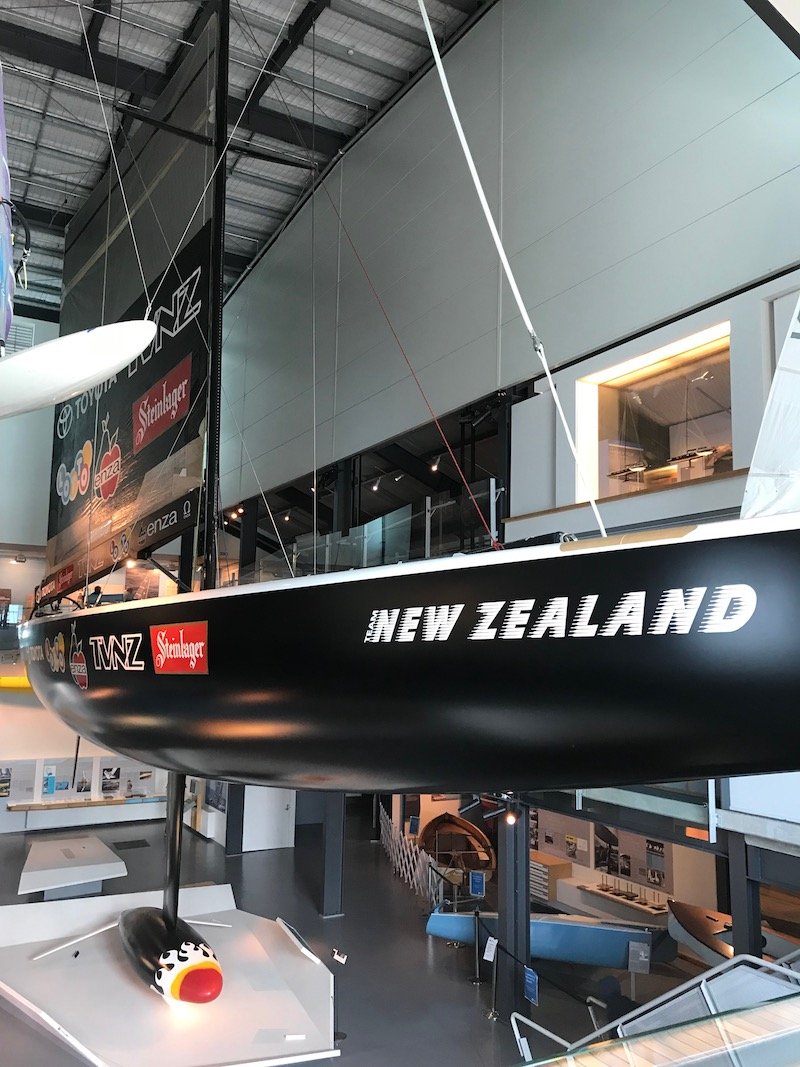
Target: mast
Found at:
x=177, y=782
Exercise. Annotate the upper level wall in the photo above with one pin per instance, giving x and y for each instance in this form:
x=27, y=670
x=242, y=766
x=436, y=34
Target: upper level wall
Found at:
x=637, y=154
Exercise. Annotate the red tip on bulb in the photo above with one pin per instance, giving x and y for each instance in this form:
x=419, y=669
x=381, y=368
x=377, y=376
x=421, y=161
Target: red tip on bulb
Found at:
x=201, y=985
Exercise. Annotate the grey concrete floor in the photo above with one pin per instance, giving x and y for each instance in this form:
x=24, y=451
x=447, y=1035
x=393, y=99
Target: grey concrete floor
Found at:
x=401, y=998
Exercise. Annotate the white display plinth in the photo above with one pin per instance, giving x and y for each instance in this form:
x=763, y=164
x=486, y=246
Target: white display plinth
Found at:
x=69, y=866
x=276, y=1006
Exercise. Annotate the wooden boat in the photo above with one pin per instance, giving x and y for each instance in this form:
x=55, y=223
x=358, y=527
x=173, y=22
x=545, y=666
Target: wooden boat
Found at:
x=709, y=934
x=460, y=845
x=614, y=661
x=568, y=938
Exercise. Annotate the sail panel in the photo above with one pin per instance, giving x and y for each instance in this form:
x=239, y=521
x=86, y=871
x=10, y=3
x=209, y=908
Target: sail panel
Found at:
x=773, y=484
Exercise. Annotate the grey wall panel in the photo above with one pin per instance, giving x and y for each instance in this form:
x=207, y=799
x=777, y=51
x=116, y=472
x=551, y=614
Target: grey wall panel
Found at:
x=642, y=152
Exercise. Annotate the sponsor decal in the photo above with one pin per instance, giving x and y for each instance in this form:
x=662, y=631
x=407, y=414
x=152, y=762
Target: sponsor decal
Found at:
x=33, y=654
x=73, y=483
x=180, y=648
x=157, y=409
x=109, y=468
x=117, y=652
x=54, y=654
x=64, y=578
x=77, y=662
x=183, y=309
x=677, y=611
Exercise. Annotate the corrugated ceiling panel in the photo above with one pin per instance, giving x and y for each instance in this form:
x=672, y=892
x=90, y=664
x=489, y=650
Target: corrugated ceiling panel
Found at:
x=344, y=74
x=381, y=45
x=45, y=15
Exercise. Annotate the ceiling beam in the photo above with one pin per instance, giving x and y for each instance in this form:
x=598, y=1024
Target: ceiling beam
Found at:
x=45, y=218
x=396, y=457
x=301, y=26
x=130, y=77
x=403, y=31
x=38, y=47
x=101, y=9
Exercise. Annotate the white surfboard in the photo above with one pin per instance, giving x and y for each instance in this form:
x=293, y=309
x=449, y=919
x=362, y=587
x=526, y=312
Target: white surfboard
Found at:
x=57, y=370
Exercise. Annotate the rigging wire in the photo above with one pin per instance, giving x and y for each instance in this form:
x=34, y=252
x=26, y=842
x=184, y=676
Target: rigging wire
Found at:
x=538, y=347
x=223, y=154
x=114, y=158
x=495, y=543
x=314, y=481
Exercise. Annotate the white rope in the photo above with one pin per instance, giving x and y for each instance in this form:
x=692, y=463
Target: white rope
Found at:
x=114, y=159
x=537, y=344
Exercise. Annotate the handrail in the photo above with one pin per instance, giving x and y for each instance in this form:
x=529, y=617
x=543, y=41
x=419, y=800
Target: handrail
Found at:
x=522, y=1042
x=701, y=983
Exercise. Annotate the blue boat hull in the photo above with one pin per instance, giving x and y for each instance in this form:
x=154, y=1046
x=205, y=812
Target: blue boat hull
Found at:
x=567, y=938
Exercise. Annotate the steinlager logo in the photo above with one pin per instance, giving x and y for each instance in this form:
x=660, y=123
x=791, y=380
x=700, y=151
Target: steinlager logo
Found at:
x=181, y=648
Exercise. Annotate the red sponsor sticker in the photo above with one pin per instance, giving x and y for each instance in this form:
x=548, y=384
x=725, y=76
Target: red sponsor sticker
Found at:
x=180, y=648
x=162, y=405
x=64, y=578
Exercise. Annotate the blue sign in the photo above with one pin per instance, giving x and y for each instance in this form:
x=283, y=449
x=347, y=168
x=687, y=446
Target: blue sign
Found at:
x=413, y=825
x=530, y=989
x=477, y=884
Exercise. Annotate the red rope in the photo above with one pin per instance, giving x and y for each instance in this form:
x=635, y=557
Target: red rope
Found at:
x=493, y=540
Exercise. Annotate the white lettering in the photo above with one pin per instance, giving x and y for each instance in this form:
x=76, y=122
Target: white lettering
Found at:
x=730, y=607
x=553, y=617
x=409, y=621
x=581, y=625
x=382, y=624
x=676, y=610
x=627, y=616
x=517, y=617
x=438, y=622
x=487, y=613
x=117, y=653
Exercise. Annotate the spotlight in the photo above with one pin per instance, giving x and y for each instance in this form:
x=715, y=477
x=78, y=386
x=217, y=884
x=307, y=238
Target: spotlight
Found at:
x=287, y=516
x=240, y=510
x=130, y=563
x=511, y=817
x=376, y=484
x=435, y=464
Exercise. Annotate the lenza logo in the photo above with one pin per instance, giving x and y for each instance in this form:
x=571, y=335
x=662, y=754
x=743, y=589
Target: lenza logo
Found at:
x=183, y=310
x=77, y=662
x=109, y=468
x=115, y=653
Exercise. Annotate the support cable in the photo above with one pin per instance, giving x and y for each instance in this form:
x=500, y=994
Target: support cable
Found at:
x=538, y=347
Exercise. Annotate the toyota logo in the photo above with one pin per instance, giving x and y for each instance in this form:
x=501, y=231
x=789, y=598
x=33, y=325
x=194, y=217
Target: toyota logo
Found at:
x=64, y=424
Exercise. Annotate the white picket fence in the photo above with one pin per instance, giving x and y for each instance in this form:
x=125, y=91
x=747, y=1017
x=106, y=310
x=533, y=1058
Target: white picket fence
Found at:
x=410, y=862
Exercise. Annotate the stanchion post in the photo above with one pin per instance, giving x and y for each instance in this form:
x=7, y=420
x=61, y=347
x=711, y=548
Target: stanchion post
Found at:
x=494, y=1013
x=476, y=978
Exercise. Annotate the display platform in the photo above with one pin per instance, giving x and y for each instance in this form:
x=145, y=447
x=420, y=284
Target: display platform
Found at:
x=69, y=867
x=276, y=1006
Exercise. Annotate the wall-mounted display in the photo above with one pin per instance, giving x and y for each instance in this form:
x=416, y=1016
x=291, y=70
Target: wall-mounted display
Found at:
x=645, y=861
x=562, y=835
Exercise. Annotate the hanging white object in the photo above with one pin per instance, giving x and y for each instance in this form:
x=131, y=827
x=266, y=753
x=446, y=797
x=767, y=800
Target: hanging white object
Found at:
x=773, y=484
x=57, y=370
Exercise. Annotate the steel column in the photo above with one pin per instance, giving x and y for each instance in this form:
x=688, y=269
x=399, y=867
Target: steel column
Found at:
x=514, y=908
x=745, y=900
x=333, y=855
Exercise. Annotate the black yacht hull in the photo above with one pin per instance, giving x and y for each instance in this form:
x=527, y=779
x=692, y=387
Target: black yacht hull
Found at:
x=673, y=658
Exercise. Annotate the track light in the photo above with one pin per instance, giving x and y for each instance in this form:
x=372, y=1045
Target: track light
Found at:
x=376, y=484
x=398, y=477
x=287, y=516
x=511, y=817
x=435, y=464
x=240, y=510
